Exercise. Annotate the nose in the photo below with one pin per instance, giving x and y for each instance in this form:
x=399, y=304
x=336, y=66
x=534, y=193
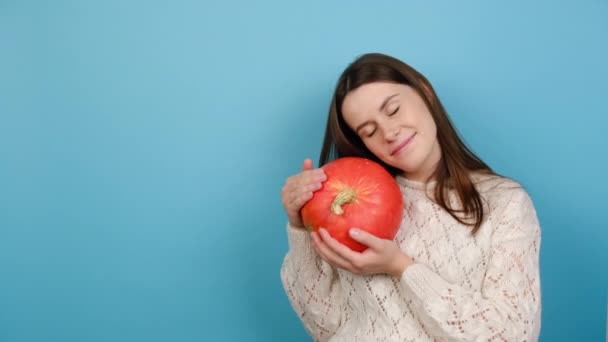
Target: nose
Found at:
x=390, y=132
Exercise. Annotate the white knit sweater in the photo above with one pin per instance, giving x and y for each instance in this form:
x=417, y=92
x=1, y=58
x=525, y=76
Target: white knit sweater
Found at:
x=460, y=288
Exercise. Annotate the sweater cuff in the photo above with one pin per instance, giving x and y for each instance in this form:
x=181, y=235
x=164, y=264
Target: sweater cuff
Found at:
x=423, y=282
x=299, y=240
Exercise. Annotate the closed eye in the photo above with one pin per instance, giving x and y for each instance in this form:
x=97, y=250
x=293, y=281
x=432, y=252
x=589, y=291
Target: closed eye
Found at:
x=394, y=112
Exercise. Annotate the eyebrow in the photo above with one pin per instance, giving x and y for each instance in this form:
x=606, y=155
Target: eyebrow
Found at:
x=384, y=103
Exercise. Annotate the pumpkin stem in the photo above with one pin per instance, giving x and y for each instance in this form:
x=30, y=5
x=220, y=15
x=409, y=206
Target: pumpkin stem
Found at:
x=346, y=195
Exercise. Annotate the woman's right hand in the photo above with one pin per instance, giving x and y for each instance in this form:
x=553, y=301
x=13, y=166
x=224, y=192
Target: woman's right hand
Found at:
x=298, y=190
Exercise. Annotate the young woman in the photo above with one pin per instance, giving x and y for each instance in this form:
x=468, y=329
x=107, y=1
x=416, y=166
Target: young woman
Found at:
x=464, y=265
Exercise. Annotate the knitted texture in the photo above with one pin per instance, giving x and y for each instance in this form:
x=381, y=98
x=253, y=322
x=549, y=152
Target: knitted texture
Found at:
x=461, y=287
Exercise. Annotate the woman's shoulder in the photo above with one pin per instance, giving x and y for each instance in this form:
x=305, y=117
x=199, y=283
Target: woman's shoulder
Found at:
x=503, y=194
x=510, y=200
x=493, y=186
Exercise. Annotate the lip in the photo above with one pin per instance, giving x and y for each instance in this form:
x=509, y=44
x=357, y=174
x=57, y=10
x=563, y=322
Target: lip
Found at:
x=403, y=145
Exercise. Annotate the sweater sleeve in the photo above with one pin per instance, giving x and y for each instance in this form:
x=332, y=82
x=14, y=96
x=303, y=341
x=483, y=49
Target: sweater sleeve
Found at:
x=508, y=306
x=312, y=286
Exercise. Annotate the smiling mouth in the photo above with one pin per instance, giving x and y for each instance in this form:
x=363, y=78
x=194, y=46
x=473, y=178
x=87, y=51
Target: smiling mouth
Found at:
x=403, y=144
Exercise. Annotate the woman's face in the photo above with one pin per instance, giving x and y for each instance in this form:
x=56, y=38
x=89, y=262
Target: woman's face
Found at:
x=395, y=124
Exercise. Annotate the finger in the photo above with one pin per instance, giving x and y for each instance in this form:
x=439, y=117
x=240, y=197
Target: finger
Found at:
x=323, y=257
x=328, y=254
x=333, y=260
x=310, y=178
x=338, y=249
x=316, y=176
x=304, y=194
x=366, y=238
x=307, y=165
x=297, y=202
x=315, y=246
x=313, y=187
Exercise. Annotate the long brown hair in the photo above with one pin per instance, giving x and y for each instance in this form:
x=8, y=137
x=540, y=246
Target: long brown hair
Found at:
x=457, y=160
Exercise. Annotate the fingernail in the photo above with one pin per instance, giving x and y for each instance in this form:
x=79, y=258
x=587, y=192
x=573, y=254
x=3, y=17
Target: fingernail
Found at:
x=354, y=232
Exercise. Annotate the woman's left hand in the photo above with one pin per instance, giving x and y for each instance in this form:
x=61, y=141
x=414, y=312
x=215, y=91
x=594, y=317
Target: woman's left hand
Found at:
x=381, y=256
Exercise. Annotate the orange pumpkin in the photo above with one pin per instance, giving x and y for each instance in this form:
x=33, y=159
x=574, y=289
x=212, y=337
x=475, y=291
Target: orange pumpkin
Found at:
x=358, y=193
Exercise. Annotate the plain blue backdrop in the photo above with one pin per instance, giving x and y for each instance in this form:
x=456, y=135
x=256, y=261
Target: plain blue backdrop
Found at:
x=143, y=146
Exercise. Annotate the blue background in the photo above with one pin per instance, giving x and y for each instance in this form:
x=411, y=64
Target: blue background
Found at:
x=143, y=145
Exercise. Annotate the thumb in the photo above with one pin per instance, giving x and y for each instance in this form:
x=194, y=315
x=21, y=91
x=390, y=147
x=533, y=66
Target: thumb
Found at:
x=307, y=165
x=365, y=238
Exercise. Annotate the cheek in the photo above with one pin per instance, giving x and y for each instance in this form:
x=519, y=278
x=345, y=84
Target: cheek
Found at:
x=427, y=133
x=430, y=131
x=374, y=146
x=428, y=127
